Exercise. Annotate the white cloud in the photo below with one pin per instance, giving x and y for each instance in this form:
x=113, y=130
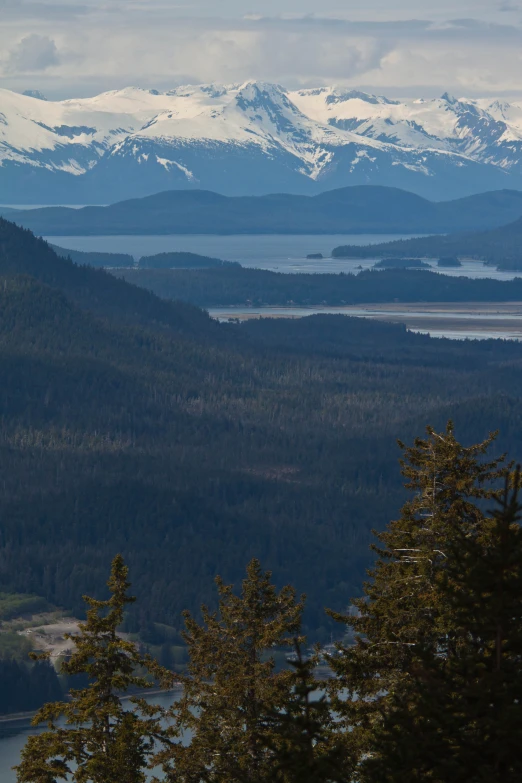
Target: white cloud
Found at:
x=410, y=49
x=32, y=54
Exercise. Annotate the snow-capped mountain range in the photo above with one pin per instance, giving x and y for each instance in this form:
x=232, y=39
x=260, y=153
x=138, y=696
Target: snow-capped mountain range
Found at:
x=252, y=138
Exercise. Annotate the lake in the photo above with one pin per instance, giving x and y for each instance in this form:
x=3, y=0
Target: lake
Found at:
x=278, y=253
x=13, y=736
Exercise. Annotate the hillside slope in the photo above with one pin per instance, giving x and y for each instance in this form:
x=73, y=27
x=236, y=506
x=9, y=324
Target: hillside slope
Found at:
x=497, y=246
x=358, y=210
x=114, y=260
x=21, y=253
x=190, y=447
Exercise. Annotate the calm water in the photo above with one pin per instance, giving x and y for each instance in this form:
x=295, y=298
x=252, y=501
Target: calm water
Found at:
x=280, y=253
x=13, y=737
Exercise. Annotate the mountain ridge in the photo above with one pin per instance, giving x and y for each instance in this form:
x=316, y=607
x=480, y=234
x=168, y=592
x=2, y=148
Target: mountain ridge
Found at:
x=359, y=209
x=252, y=138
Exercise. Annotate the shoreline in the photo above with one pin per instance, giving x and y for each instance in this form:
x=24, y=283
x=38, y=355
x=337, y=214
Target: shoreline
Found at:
x=504, y=319
x=16, y=717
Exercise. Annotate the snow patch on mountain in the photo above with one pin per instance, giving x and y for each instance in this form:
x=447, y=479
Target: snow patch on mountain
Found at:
x=227, y=136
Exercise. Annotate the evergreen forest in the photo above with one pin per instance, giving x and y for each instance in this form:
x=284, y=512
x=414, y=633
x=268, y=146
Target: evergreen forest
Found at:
x=425, y=684
x=135, y=424
x=235, y=285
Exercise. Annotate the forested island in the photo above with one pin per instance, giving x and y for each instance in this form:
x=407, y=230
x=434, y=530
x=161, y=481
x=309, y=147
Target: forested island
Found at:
x=181, y=261
x=501, y=246
x=401, y=263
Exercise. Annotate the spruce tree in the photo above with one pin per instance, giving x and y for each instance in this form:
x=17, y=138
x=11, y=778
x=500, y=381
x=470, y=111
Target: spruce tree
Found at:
x=92, y=737
x=306, y=742
x=406, y=628
x=482, y=682
x=232, y=684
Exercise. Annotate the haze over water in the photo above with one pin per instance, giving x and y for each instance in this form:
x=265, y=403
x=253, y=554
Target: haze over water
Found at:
x=274, y=252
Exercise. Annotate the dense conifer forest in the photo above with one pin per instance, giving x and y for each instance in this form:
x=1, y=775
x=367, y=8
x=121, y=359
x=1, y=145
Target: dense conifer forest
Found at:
x=425, y=685
x=97, y=259
x=239, y=286
x=136, y=424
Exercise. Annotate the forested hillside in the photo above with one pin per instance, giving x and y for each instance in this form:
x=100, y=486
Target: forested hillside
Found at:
x=133, y=424
x=239, y=286
x=93, y=289
x=500, y=245
x=95, y=258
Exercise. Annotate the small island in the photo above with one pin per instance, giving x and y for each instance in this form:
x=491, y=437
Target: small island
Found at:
x=315, y=257
x=450, y=261
x=509, y=265
x=182, y=261
x=401, y=263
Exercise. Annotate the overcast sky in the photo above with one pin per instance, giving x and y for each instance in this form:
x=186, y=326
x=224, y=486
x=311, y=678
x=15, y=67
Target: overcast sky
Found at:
x=408, y=47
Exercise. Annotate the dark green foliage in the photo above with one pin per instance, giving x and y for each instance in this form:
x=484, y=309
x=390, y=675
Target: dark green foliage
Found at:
x=429, y=691
x=481, y=685
x=16, y=605
x=232, y=685
x=240, y=286
x=408, y=714
x=100, y=741
x=96, y=259
x=193, y=449
x=181, y=261
x=353, y=210
x=14, y=646
x=26, y=687
x=95, y=290
x=305, y=740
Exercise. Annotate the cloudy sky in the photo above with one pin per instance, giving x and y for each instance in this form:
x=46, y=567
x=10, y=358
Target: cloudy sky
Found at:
x=397, y=47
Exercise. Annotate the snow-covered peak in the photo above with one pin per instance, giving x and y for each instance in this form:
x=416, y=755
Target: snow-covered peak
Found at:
x=320, y=133
x=447, y=123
